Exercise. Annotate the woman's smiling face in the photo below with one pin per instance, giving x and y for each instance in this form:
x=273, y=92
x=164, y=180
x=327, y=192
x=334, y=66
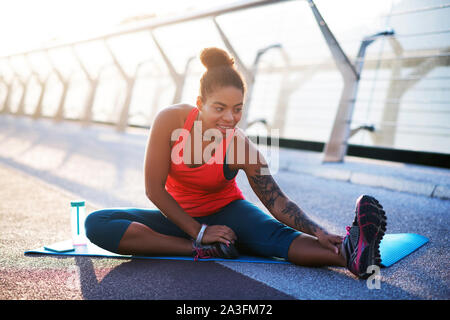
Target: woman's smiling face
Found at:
x=222, y=109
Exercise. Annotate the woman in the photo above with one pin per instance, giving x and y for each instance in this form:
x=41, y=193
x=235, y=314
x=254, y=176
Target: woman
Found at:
x=192, y=158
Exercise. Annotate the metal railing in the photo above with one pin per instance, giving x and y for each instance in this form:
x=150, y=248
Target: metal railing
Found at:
x=129, y=79
x=15, y=86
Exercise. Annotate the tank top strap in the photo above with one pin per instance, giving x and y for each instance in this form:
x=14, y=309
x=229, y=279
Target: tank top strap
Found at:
x=190, y=119
x=229, y=137
x=187, y=127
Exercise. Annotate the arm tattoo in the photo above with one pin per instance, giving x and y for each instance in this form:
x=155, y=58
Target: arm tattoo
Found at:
x=268, y=192
x=266, y=189
x=301, y=221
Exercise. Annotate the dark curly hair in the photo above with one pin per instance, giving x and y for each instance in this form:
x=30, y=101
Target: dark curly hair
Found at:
x=220, y=72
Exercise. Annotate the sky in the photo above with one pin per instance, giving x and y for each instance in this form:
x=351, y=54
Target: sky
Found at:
x=28, y=24
x=33, y=23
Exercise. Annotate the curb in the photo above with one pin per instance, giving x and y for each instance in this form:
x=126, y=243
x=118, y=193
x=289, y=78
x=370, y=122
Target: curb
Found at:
x=397, y=184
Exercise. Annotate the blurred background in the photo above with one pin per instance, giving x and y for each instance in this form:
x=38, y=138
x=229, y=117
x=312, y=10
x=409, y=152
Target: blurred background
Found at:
x=120, y=62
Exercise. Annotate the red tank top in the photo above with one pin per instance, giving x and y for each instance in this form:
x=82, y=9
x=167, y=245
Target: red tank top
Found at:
x=202, y=190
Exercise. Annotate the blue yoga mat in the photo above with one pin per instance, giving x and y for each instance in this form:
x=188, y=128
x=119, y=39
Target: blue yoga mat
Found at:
x=65, y=248
x=393, y=248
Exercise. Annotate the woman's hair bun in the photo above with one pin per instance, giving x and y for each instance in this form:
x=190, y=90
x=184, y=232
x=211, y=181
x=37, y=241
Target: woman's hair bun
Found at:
x=215, y=57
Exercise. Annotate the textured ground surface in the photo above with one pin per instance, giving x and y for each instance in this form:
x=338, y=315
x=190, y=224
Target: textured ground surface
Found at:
x=44, y=165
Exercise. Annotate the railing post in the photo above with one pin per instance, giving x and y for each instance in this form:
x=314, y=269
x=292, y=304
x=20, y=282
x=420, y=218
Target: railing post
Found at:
x=6, y=87
x=86, y=117
x=22, y=83
x=123, y=117
x=185, y=72
x=177, y=78
x=26, y=92
x=158, y=92
x=20, y=108
x=59, y=115
x=42, y=83
x=336, y=147
x=6, y=103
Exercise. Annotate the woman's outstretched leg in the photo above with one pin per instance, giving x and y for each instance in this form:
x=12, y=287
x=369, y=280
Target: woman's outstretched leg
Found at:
x=306, y=250
x=360, y=246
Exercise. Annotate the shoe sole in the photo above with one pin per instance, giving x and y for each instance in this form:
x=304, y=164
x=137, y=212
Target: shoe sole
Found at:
x=371, y=220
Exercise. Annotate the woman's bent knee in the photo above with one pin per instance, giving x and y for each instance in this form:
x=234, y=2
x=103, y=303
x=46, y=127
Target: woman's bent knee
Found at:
x=92, y=224
x=105, y=230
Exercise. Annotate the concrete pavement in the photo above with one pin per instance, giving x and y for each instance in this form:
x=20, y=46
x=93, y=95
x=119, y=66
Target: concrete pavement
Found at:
x=403, y=177
x=43, y=165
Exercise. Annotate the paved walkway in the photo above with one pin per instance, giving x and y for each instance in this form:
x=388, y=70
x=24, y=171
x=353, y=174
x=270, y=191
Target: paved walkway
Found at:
x=44, y=165
x=403, y=177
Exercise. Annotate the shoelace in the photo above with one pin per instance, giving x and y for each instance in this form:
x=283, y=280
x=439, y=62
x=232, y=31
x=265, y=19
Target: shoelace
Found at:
x=202, y=253
x=347, y=228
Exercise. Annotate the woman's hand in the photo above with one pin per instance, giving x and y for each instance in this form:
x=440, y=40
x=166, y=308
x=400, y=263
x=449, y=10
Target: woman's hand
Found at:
x=330, y=241
x=217, y=233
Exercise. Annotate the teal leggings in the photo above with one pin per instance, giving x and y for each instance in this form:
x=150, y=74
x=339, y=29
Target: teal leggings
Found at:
x=257, y=232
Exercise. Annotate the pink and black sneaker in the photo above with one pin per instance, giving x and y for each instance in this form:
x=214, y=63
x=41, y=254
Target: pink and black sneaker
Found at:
x=215, y=250
x=362, y=243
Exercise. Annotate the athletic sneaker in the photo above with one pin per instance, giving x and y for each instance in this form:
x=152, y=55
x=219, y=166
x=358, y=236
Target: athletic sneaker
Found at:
x=215, y=250
x=362, y=243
